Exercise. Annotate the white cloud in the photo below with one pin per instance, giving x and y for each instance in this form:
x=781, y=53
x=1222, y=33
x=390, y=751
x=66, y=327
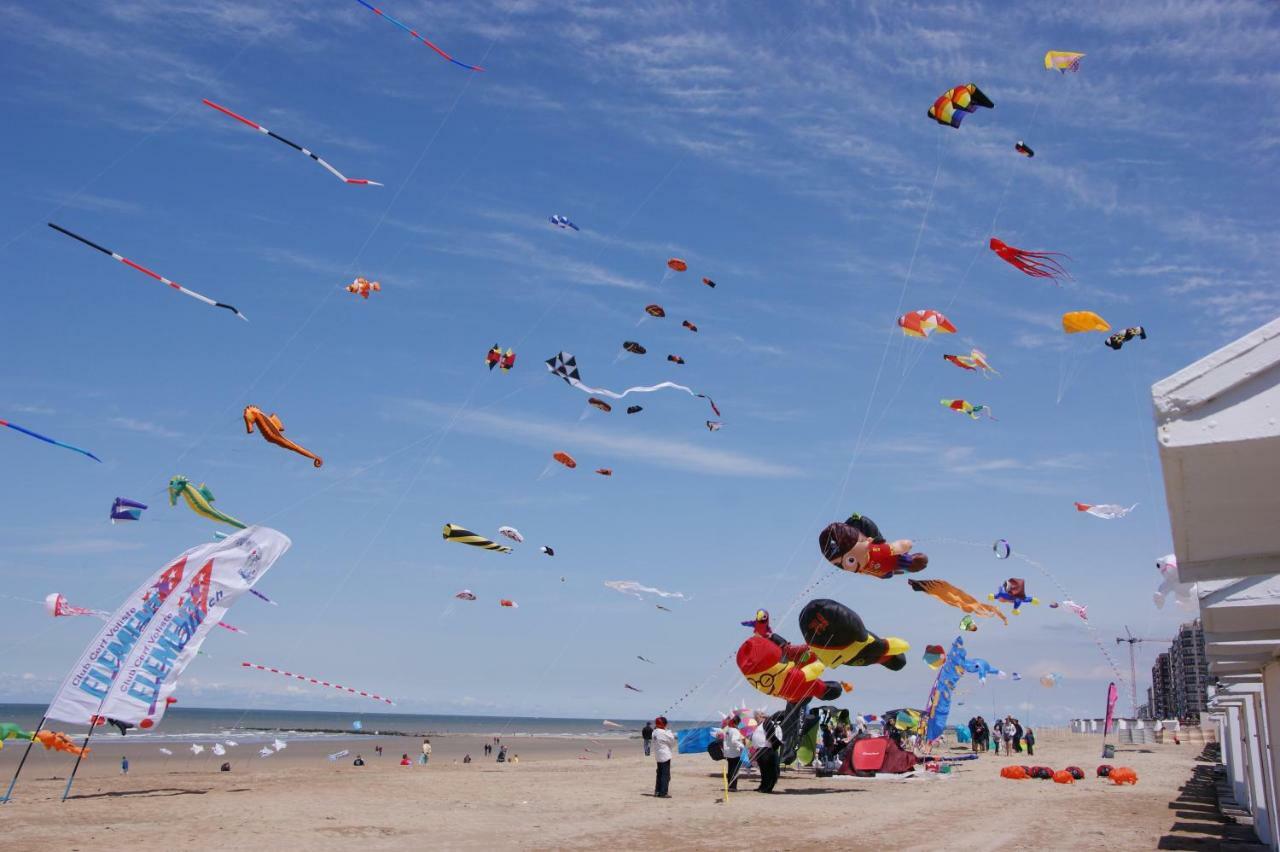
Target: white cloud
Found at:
x=145, y=427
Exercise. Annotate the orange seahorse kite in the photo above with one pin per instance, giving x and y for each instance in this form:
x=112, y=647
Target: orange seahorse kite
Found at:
x=273, y=430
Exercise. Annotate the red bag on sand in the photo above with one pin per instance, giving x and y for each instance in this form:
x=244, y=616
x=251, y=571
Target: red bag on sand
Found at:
x=869, y=754
x=1062, y=776
x=1104, y=770
x=1123, y=775
x=1076, y=772
x=1016, y=773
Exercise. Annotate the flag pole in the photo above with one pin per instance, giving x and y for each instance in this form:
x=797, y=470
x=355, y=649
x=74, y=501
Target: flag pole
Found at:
x=84, y=746
x=8, y=793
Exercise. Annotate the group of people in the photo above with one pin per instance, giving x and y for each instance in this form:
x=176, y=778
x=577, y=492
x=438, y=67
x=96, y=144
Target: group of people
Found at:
x=1008, y=731
x=764, y=747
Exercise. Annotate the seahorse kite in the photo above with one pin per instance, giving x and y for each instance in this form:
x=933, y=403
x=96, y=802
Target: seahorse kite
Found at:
x=273, y=430
x=200, y=500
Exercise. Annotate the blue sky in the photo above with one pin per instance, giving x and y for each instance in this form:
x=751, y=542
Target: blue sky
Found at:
x=784, y=153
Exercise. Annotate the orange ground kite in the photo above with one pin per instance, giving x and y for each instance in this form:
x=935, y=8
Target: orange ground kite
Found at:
x=958, y=598
x=273, y=430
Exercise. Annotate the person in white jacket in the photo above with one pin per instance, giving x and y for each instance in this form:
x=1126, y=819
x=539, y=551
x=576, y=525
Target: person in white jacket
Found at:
x=663, y=743
x=733, y=743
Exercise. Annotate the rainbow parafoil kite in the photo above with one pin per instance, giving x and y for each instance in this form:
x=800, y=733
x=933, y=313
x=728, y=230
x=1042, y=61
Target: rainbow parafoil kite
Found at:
x=949, y=109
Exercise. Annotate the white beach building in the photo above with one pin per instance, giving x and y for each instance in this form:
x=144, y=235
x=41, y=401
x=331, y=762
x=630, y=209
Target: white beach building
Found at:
x=1218, y=428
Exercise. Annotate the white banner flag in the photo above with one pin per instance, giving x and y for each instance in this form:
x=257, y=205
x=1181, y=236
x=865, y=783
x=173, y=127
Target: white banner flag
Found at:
x=170, y=641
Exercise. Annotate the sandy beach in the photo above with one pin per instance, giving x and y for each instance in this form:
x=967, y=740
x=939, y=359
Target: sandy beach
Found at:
x=561, y=795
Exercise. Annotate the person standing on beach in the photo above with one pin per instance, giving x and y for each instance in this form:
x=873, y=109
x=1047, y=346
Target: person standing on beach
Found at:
x=1031, y=742
x=646, y=733
x=426, y=751
x=124, y=766
x=767, y=742
x=997, y=733
x=663, y=740
x=733, y=743
x=1017, y=736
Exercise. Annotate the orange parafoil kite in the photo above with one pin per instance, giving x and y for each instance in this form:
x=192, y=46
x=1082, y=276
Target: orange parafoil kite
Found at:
x=1074, y=322
x=677, y=265
x=923, y=323
x=565, y=459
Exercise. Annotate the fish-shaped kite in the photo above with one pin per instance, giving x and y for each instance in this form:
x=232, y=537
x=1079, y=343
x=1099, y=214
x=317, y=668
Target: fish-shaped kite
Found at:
x=1106, y=511
x=956, y=597
x=200, y=500
x=466, y=536
x=973, y=409
x=270, y=427
x=975, y=360
x=363, y=287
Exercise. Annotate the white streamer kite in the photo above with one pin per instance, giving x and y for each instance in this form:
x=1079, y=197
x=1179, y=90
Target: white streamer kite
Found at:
x=631, y=587
x=318, y=682
x=1106, y=511
x=565, y=366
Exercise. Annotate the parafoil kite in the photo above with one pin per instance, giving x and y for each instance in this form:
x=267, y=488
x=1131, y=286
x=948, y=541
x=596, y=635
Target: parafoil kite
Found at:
x=562, y=222
x=1013, y=591
x=709, y=283
x=511, y=533
x=604, y=471
x=1002, y=549
x=1050, y=679
x=270, y=427
x=547, y=551
x=1037, y=264
x=59, y=742
x=509, y=604
x=675, y=359
x=714, y=425
x=565, y=459
x=496, y=358
x=973, y=409
x=1062, y=60
x=1076, y=322
x=634, y=409
x=124, y=509
x=631, y=587
x=57, y=606
x=677, y=265
x=1119, y=339
x=924, y=323
x=837, y=637
x=655, y=311
x=258, y=127
x=200, y=500
x=596, y=402
x=49, y=440
x=363, y=287
x=129, y=263
x=949, y=109
x=975, y=360
x=934, y=656
x=465, y=536
x=466, y=595
x=1106, y=511
x=1171, y=584
x=1023, y=149
x=633, y=347
x=956, y=597
x=689, y=326
x=565, y=366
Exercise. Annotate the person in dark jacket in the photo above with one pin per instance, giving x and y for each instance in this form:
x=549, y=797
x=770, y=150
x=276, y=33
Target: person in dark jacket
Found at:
x=646, y=733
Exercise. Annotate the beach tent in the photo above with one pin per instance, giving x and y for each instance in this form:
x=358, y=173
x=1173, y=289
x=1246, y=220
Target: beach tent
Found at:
x=871, y=755
x=694, y=740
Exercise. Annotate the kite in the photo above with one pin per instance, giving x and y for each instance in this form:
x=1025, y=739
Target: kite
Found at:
x=856, y=545
x=634, y=409
x=465, y=595
x=59, y=742
x=659, y=606
x=56, y=605
x=675, y=359
x=258, y=594
x=511, y=533
x=318, y=682
x=690, y=326
x=1050, y=679
x=980, y=667
x=1062, y=60
x=419, y=37
x=1002, y=549
x=836, y=636
x=633, y=347
x=632, y=688
x=789, y=672
x=49, y=440
x=200, y=500
x=950, y=107
x=124, y=509
x=1022, y=148
x=714, y=425
x=677, y=265
x=975, y=360
x=295, y=146
x=279, y=745
x=709, y=283
x=272, y=430
x=509, y=604
x=1171, y=584
x=363, y=287
x=565, y=459
x=924, y=323
x=1076, y=322
x=465, y=536
x=596, y=402
x=604, y=471
x=1106, y=511
x=496, y=358
x=956, y=597
x=606, y=723
x=339, y=754
x=645, y=660
x=655, y=311
x=631, y=587
x=562, y=222
x=1014, y=591
x=164, y=750
x=1078, y=609
x=934, y=656
x=565, y=366
x=220, y=750
x=265, y=751
x=969, y=408
x=1037, y=264
x=11, y=731
x=1119, y=339
x=548, y=551
x=968, y=625
x=129, y=263
x=938, y=707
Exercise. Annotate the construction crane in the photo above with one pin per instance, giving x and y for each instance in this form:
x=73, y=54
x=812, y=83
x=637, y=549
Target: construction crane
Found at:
x=1133, y=664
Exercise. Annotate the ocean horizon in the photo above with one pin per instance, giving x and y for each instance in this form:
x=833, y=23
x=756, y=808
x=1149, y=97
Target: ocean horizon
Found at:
x=194, y=723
